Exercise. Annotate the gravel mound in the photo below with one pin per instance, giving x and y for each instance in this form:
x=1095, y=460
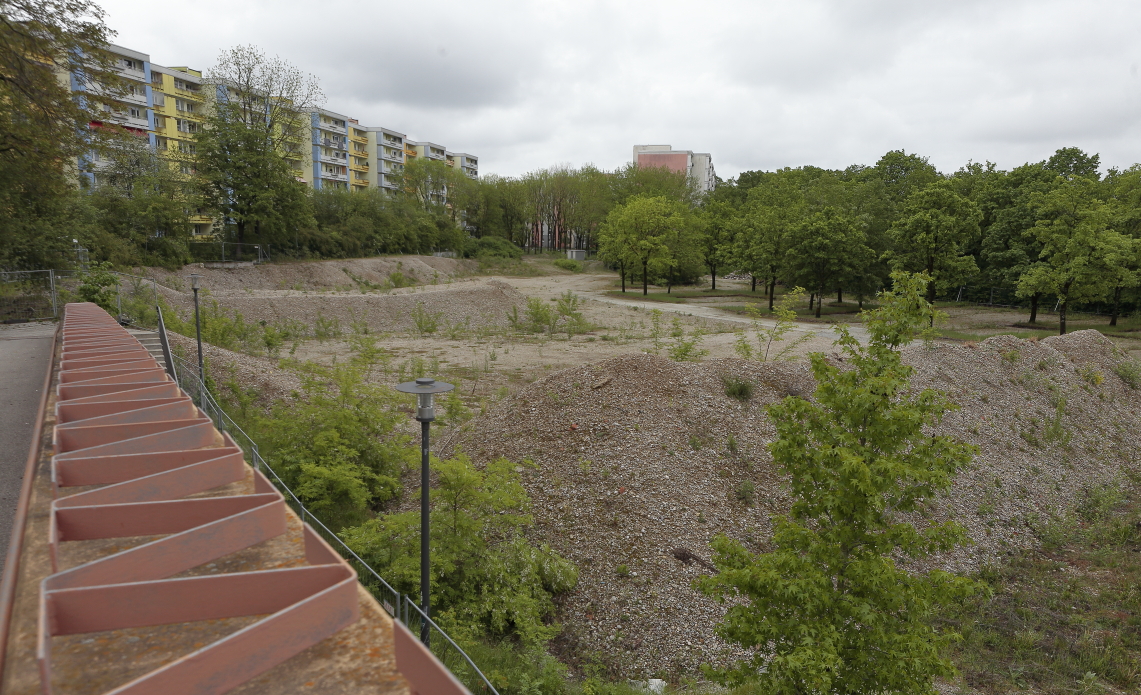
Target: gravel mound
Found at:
x=259, y=375
x=314, y=275
x=639, y=462
x=484, y=303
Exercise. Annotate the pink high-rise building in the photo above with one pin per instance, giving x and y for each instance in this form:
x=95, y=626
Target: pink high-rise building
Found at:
x=697, y=165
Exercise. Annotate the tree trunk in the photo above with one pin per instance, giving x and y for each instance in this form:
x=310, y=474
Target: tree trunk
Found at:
x=1062, y=318
x=819, y=301
x=754, y=278
x=645, y=278
x=622, y=271
x=670, y=281
x=1034, y=308
x=713, y=273
x=861, y=300
x=840, y=295
x=1116, y=306
x=811, y=300
x=772, y=293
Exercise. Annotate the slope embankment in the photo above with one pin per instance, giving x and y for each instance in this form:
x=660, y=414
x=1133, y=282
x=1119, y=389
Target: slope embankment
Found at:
x=640, y=462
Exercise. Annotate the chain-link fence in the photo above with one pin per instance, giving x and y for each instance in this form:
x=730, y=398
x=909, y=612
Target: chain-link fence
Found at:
x=222, y=251
x=28, y=295
x=400, y=606
x=1006, y=298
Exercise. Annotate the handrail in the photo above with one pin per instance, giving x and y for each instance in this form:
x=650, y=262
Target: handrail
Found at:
x=395, y=603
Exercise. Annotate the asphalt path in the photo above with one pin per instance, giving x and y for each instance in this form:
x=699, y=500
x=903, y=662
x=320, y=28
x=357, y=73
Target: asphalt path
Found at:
x=25, y=356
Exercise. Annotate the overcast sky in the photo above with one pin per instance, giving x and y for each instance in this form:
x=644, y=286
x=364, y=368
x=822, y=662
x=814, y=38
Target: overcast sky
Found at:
x=759, y=84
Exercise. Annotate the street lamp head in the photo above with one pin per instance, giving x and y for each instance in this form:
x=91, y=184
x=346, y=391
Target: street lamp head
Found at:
x=425, y=388
x=195, y=281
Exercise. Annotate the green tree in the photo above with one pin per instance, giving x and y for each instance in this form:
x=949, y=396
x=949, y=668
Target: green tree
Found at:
x=776, y=204
x=829, y=610
x=248, y=152
x=46, y=48
x=718, y=228
x=635, y=234
x=829, y=248
x=1082, y=255
x=486, y=576
x=932, y=236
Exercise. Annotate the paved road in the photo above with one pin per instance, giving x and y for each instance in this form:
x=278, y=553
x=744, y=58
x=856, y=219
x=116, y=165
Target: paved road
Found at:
x=25, y=357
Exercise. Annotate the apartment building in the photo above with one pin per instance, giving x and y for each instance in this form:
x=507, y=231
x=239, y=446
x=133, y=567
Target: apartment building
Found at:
x=168, y=106
x=386, y=148
x=697, y=165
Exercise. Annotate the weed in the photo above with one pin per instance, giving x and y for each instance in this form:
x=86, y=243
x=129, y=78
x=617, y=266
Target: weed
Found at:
x=397, y=280
x=745, y=493
x=1055, y=431
x=695, y=442
x=656, y=329
x=426, y=322
x=1097, y=501
x=686, y=348
x=1130, y=372
x=622, y=571
x=1091, y=375
x=740, y=389
x=326, y=328
x=731, y=444
x=1011, y=356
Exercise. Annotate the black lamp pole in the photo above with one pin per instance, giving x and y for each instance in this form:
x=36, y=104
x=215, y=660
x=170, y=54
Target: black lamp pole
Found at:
x=195, y=278
x=425, y=388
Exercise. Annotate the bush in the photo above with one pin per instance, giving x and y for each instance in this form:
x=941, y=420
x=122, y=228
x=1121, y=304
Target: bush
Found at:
x=100, y=286
x=491, y=246
x=745, y=492
x=740, y=389
x=568, y=264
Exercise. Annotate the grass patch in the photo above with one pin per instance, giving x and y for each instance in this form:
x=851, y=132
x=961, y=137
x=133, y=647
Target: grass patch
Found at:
x=740, y=389
x=1065, y=618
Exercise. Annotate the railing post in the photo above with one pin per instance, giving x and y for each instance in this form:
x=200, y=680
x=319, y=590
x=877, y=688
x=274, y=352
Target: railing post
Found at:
x=51, y=282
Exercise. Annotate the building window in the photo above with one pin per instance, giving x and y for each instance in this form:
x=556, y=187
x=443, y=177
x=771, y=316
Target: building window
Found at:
x=156, y=78
x=185, y=126
x=132, y=64
x=159, y=99
x=186, y=169
x=136, y=113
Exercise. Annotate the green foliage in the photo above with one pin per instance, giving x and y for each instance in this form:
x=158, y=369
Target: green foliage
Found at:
x=1130, y=372
x=568, y=264
x=829, y=607
x=746, y=492
x=492, y=247
x=486, y=577
x=685, y=348
x=767, y=336
x=427, y=322
x=364, y=223
x=1091, y=375
x=741, y=389
x=934, y=235
x=99, y=285
x=570, y=316
x=339, y=446
x=1061, y=619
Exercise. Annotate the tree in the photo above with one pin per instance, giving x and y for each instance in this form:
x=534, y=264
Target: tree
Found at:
x=246, y=154
x=776, y=204
x=1081, y=253
x=634, y=234
x=932, y=235
x=46, y=47
x=828, y=247
x=718, y=229
x=828, y=610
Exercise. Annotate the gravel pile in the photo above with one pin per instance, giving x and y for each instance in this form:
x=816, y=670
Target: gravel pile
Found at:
x=314, y=275
x=483, y=303
x=258, y=374
x=640, y=462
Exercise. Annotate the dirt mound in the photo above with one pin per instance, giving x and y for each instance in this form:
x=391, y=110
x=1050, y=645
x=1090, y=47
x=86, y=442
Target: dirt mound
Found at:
x=640, y=462
x=315, y=275
x=477, y=303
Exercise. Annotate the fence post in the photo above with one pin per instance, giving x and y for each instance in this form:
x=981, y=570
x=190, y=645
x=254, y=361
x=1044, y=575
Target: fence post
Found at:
x=223, y=251
x=119, y=295
x=51, y=282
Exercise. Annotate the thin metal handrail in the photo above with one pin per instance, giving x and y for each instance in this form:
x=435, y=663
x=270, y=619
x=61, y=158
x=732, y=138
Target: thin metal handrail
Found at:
x=399, y=608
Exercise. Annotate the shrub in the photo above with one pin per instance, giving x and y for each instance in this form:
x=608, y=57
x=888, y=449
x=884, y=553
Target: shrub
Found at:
x=491, y=247
x=1130, y=372
x=740, y=389
x=426, y=322
x=745, y=492
x=568, y=264
x=622, y=571
x=1091, y=375
x=99, y=285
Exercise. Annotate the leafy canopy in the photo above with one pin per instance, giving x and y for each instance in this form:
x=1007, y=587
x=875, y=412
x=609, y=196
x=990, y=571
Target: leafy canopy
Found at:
x=829, y=610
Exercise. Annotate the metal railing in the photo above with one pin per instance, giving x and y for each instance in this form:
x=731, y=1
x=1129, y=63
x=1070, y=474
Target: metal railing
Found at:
x=400, y=606
x=28, y=295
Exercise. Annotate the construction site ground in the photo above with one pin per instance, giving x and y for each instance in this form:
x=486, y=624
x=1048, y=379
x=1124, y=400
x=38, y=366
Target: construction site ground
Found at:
x=639, y=460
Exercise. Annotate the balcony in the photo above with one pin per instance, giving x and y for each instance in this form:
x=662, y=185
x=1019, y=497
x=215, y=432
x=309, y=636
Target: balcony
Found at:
x=335, y=144
x=330, y=176
x=327, y=125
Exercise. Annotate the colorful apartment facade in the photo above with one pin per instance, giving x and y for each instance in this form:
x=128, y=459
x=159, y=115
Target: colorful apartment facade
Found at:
x=167, y=105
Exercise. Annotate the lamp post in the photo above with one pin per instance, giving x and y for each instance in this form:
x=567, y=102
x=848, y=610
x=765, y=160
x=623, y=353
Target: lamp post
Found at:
x=195, y=281
x=424, y=388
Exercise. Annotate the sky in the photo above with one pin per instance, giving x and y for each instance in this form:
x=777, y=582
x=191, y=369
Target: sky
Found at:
x=758, y=84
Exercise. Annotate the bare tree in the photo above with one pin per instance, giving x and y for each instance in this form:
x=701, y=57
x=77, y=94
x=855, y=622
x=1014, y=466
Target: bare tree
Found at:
x=267, y=95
